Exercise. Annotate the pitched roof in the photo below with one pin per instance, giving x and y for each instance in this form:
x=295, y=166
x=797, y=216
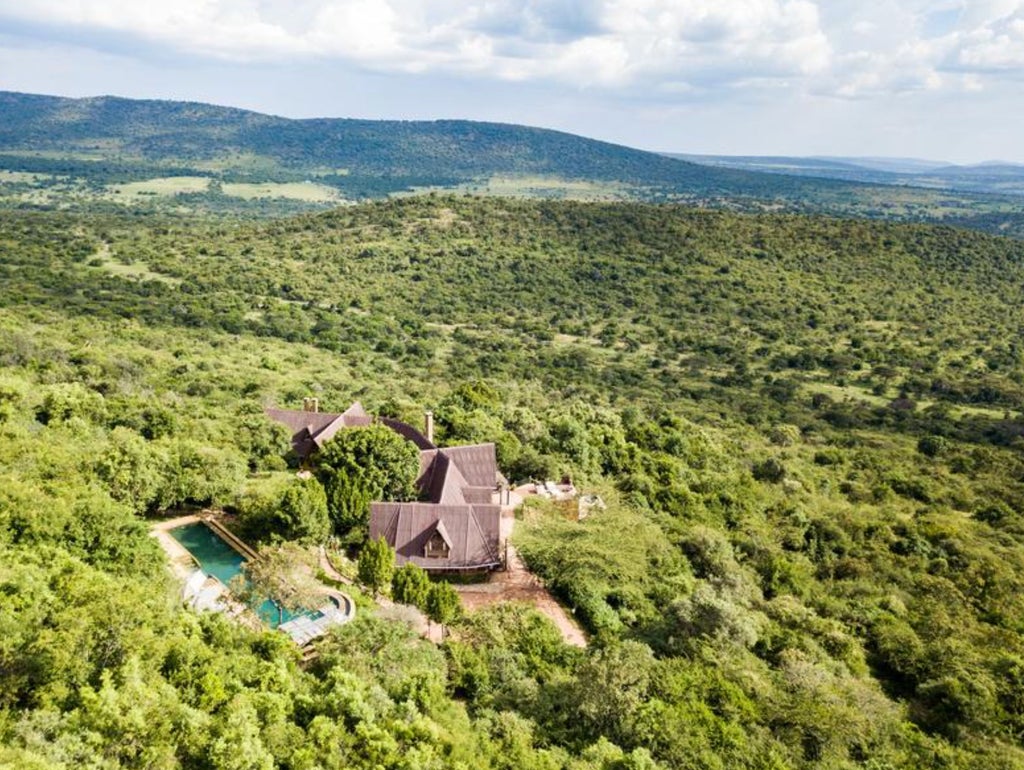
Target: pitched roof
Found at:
x=472, y=532
x=297, y=419
x=353, y=417
x=460, y=474
x=477, y=463
x=406, y=431
x=356, y=415
x=310, y=430
x=441, y=530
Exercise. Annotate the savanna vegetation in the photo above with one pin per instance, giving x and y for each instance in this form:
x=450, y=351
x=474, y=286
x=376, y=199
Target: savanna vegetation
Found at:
x=807, y=432
x=149, y=157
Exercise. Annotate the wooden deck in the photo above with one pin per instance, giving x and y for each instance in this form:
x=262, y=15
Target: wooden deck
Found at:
x=212, y=520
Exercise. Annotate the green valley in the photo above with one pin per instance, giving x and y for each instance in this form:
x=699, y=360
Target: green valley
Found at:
x=807, y=432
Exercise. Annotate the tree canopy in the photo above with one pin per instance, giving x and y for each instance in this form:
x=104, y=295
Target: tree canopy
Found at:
x=359, y=465
x=806, y=434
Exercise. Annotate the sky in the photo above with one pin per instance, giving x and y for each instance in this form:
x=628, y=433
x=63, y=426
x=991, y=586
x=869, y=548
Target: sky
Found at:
x=934, y=79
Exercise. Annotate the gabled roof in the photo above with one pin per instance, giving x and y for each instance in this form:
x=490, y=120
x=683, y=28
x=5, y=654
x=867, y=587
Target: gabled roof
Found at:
x=441, y=530
x=460, y=474
x=353, y=417
x=408, y=432
x=471, y=531
x=310, y=430
x=477, y=462
x=297, y=419
x=459, y=483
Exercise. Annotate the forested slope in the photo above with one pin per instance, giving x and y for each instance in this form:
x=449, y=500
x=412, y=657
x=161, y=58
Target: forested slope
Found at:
x=807, y=430
x=434, y=152
x=183, y=132
x=108, y=153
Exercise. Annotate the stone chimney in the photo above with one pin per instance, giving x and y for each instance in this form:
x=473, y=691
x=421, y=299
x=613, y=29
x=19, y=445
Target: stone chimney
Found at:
x=311, y=404
x=428, y=425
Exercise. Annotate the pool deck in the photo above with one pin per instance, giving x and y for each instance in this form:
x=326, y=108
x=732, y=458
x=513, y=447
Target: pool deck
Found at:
x=339, y=609
x=303, y=630
x=182, y=563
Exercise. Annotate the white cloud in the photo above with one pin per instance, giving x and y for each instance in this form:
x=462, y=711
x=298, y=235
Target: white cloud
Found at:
x=603, y=42
x=955, y=45
x=711, y=41
x=672, y=48
x=997, y=45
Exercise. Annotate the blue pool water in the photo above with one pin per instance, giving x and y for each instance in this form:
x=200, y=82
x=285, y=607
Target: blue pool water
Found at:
x=219, y=559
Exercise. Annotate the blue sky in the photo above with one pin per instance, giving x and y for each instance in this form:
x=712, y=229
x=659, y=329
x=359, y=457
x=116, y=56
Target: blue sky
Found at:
x=939, y=79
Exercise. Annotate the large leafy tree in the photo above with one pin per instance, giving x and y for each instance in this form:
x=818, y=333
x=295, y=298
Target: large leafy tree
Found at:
x=442, y=604
x=303, y=511
x=363, y=464
x=410, y=585
x=131, y=467
x=283, y=574
x=295, y=510
x=376, y=564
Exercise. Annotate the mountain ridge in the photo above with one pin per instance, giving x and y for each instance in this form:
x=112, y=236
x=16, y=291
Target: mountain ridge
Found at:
x=988, y=177
x=195, y=157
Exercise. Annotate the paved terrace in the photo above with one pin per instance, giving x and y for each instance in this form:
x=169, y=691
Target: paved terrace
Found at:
x=205, y=593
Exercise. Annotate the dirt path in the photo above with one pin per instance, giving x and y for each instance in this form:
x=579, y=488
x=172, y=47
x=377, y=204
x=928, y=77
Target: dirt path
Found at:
x=325, y=564
x=519, y=584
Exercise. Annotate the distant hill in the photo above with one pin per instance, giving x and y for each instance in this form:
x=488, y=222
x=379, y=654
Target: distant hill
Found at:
x=443, y=152
x=190, y=157
x=992, y=177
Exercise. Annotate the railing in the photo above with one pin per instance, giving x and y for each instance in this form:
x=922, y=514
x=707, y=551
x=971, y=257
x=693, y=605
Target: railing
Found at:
x=210, y=519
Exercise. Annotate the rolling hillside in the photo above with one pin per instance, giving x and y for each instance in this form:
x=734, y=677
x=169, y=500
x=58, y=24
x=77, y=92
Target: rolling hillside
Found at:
x=108, y=152
x=436, y=152
x=808, y=433
x=987, y=178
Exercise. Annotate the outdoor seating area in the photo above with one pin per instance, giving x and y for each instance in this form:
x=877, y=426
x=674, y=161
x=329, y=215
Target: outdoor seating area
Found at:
x=305, y=628
x=203, y=593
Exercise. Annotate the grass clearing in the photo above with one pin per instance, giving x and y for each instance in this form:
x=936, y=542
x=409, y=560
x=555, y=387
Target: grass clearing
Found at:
x=138, y=271
x=309, y=192
x=552, y=187
x=161, y=186
x=534, y=187
x=848, y=392
x=21, y=177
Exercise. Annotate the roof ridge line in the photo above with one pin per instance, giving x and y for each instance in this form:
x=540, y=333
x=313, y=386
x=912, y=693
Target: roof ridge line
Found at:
x=480, y=531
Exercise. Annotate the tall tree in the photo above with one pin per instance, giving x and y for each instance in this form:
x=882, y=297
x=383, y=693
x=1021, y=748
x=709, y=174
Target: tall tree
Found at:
x=283, y=574
x=294, y=510
x=442, y=603
x=376, y=564
x=363, y=464
x=410, y=585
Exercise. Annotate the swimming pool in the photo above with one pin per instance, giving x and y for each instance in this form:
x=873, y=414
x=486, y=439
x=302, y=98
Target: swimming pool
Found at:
x=219, y=559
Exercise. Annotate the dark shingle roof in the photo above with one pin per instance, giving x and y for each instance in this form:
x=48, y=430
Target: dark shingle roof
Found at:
x=477, y=463
x=297, y=419
x=406, y=431
x=464, y=474
x=459, y=483
x=310, y=430
x=442, y=530
x=472, y=532
x=353, y=417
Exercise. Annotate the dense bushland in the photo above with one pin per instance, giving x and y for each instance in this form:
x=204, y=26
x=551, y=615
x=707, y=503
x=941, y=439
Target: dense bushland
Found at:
x=807, y=434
